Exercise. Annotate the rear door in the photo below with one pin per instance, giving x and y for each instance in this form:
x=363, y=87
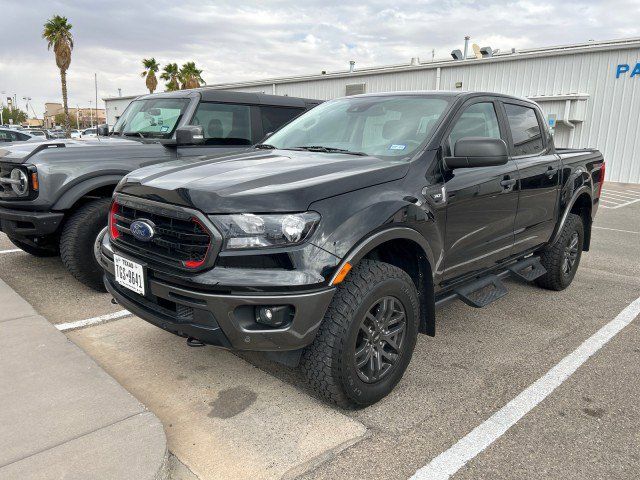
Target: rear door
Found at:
x=531, y=150
x=482, y=201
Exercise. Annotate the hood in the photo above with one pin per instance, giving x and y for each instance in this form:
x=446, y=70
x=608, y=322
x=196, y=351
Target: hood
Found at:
x=261, y=181
x=69, y=149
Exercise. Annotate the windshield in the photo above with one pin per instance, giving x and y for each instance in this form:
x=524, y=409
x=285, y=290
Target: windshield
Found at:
x=151, y=118
x=380, y=126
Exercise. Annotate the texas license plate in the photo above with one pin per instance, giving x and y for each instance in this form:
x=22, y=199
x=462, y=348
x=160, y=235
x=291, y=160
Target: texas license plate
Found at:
x=129, y=274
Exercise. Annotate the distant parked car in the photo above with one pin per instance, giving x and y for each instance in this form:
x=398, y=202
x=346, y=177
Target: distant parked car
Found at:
x=42, y=134
x=11, y=135
x=89, y=133
x=75, y=133
x=56, y=133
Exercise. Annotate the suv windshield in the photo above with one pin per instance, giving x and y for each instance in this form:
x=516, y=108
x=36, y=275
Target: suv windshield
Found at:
x=151, y=118
x=383, y=126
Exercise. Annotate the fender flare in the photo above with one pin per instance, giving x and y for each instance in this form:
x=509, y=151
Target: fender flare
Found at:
x=367, y=244
x=71, y=196
x=586, y=188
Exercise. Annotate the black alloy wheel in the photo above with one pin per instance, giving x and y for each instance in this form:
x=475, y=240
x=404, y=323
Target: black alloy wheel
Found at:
x=380, y=339
x=570, y=254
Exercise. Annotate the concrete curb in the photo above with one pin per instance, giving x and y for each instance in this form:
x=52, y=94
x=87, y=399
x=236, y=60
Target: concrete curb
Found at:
x=63, y=416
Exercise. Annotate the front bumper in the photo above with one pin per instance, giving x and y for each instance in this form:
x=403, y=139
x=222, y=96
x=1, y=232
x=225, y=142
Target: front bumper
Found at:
x=225, y=320
x=24, y=223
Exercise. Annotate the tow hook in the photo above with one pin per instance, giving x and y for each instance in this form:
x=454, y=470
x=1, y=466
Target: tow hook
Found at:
x=193, y=342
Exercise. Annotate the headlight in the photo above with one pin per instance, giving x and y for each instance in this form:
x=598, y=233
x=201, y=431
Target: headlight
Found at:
x=20, y=182
x=247, y=230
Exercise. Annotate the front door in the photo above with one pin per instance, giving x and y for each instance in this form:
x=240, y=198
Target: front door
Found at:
x=481, y=201
x=539, y=168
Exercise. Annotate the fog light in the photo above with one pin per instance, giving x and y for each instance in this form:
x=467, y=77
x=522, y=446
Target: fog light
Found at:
x=274, y=316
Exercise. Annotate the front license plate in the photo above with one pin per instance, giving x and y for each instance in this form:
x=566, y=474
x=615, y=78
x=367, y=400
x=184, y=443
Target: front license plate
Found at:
x=129, y=274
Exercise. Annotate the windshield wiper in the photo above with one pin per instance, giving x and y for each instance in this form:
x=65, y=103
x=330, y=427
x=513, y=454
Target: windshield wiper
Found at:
x=264, y=146
x=323, y=149
x=134, y=134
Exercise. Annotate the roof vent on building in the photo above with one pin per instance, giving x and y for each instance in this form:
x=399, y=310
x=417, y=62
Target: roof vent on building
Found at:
x=486, y=52
x=352, y=66
x=415, y=61
x=457, y=54
x=324, y=72
x=513, y=50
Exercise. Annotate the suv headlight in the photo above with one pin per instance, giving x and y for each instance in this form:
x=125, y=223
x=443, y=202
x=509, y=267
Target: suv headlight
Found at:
x=246, y=230
x=20, y=183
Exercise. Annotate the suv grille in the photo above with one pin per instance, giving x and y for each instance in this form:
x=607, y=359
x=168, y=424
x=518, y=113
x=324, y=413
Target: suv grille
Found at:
x=179, y=242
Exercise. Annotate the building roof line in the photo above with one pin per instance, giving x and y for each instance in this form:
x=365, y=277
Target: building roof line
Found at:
x=501, y=56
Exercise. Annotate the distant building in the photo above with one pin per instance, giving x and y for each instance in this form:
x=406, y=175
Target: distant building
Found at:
x=80, y=117
x=115, y=106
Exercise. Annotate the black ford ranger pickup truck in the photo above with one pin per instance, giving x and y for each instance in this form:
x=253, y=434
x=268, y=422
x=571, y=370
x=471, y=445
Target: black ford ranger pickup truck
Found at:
x=55, y=196
x=331, y=244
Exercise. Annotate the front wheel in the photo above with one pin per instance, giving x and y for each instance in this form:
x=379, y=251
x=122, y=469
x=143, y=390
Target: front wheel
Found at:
x=367, y=337
x=78, y=239
x=563, y=257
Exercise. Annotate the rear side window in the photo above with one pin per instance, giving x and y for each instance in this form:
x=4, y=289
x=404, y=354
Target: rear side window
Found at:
x=478, y=120
x=224, y=123
x=274, y=117
x=525, y=130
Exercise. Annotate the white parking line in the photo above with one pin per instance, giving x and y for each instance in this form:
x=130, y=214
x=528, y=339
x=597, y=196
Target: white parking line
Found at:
x=626, y=196
x=622, y=204
x=65, y=327
x=12, y=250
x=616, y=230
x=481, y=437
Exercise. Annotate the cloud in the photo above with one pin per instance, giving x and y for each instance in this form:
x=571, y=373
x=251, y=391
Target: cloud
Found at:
x=234, y=41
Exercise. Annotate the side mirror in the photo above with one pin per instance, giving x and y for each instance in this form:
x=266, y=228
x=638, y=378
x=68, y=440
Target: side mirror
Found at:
x=103, y=130
x=470, y=152
x=190, y=135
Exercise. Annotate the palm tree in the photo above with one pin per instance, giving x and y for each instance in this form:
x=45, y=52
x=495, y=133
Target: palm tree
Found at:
x=150, y=68
x=171, y=75
x=190, y=76
x=57, y=32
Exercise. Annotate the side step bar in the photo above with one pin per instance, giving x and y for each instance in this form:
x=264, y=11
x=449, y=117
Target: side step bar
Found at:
x=482, y=291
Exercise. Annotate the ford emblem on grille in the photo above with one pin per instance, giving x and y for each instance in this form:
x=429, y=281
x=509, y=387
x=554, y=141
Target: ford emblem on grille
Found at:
x=142, y=230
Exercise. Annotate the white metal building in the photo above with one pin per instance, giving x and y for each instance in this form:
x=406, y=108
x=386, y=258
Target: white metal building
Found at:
x=114, y=106
x=591, y=90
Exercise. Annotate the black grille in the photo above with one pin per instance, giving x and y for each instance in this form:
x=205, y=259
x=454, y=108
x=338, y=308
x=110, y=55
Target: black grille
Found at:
x=179, y=242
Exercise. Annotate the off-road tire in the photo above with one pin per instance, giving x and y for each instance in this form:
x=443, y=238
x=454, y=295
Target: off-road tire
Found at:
x=553, y=256
x=329, y=364
x=77, y=242
x=50, y=250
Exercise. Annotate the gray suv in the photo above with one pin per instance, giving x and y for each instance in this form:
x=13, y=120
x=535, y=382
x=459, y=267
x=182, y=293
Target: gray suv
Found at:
x=55, y=195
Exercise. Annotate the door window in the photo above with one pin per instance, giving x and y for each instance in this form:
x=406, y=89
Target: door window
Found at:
x=224, y=124
x=478, y=120
x=525, y=130
x=274, y=117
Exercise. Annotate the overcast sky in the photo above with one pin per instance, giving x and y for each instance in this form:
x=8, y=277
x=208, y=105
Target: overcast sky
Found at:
x=247, y=40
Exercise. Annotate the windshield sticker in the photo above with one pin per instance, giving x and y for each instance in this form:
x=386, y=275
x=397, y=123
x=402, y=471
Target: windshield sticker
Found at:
x=164, y=128
x=397, y=147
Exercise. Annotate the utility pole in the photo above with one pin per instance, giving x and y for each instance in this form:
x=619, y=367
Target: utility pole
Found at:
x=95, y=80
x=77, y=117
x=91, y=113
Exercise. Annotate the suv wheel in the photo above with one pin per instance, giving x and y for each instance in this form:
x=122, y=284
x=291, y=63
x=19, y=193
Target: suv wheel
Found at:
x=563, y=257
x=78, y=239
x=367, y=337
x=47, y=250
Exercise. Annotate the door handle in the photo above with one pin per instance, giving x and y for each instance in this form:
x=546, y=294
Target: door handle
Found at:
x=508, y=183
x=551, y=171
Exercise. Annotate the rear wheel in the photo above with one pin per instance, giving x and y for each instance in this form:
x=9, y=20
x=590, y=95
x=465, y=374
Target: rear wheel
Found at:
x=47, y=249
x=78, y=239
x=367, y=337
x=563, y=257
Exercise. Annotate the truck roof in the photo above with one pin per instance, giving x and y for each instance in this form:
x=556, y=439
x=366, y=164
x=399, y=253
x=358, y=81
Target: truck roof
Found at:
x=226, y=96
x=443, y=93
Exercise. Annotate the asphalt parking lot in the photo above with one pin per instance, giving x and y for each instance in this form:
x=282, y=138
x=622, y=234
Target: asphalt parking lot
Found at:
x=239, y=416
